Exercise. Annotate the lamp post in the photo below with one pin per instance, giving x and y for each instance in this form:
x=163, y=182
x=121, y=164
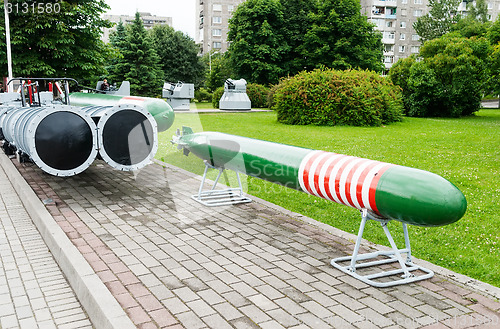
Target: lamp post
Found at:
x=210, y=58
x=7, y=37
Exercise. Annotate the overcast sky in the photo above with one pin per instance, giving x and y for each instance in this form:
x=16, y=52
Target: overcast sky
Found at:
x=182, y=11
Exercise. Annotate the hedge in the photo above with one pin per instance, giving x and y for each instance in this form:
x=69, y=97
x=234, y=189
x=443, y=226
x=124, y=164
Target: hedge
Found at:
x=330, y=97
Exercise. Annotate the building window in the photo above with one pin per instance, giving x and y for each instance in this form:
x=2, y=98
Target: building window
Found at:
x=388, y=59
x=402, y=36
x=403, y=12
x=378, y=22
x=402, y=49
x=404, y=2
x=388, y=48
x=389, y=23
x=230, y=8
x=217, y=45
x=217, y=7
x=217, y=20
x=417, y=12
x=415, y=49
x=389, y=35
x=402, y=25
x=490, y=6
x=415, y=37
x=417, y=2
x=217, y=32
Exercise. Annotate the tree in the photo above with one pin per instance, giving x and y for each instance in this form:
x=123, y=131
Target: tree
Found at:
x=140, y=61
x=494, y=32
x=494, y=60
x=449, y=79
x=117, y=68
x=60, y=40
x=340, y=37
x=475, y=23
x=439, y=21
x=478, y=10
x=494, y=81
x=258, y=45
x=294, y=29
x=178, y=55
x=399, y=75
x=219, y=70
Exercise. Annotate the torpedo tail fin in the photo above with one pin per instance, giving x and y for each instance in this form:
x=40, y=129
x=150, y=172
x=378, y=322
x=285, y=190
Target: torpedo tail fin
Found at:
x=187, y=130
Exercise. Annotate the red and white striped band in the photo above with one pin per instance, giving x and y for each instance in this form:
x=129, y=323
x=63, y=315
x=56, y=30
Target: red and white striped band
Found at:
x=341, y=178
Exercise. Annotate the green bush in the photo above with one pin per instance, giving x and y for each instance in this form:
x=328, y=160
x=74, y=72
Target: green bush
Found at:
x=329, y=97
x=216, y=96
x=448, y=81
x=270, y=96
x=202, y=95
x=258, y=95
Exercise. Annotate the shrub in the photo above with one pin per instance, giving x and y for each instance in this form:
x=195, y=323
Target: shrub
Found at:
x=329, y=97
x=270, y=96
x=202, y=95
x=448, y=80
x=216, y=96
x=257, y=94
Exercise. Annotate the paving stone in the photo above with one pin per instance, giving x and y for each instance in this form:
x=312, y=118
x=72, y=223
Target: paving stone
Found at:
x=216, y=321
x=190, y=320
x=254, y=313
x=376, y=305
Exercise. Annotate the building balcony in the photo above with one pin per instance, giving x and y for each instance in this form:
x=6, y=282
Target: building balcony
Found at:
x=382, y=3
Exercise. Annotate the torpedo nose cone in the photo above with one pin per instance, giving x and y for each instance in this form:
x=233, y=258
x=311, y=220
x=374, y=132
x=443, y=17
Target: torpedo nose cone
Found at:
x=419, y=197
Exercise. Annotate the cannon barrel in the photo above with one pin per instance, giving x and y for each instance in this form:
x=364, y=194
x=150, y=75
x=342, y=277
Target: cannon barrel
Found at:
x=161, y=111
x=385, y=190
x=60, y=139
x=127, y=135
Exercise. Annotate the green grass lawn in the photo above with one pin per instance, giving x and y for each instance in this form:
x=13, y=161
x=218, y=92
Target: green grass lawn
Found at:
x=465, y=151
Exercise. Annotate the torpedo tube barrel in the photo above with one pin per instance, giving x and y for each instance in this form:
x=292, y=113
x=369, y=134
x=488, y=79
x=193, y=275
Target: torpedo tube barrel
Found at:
x=386, y=190
x=59, y=139
x=161, y=111
x=127, y=135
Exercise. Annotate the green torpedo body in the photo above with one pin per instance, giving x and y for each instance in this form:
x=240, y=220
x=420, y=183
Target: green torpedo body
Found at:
x=388, y=191
x=161, y=111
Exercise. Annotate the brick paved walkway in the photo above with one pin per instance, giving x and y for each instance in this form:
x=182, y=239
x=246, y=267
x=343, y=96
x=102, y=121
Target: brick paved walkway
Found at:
x=33, y=291
x=173, y=263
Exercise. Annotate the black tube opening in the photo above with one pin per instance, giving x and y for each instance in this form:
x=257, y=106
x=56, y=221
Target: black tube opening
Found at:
x=128, y=137
x=64, y=140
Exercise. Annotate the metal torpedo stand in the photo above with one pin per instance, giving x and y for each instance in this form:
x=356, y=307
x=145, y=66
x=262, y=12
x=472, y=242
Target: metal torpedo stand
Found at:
x=225, y=197
x=359, y=261
x=380, y=190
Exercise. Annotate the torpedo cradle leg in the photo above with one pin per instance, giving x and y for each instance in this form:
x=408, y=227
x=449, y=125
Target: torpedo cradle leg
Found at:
x=368, y=262
x=224, y=197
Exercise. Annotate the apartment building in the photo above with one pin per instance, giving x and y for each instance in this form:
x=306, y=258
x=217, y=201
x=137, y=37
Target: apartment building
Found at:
x=147, y=19
x=394, y=18
x=213, y=24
